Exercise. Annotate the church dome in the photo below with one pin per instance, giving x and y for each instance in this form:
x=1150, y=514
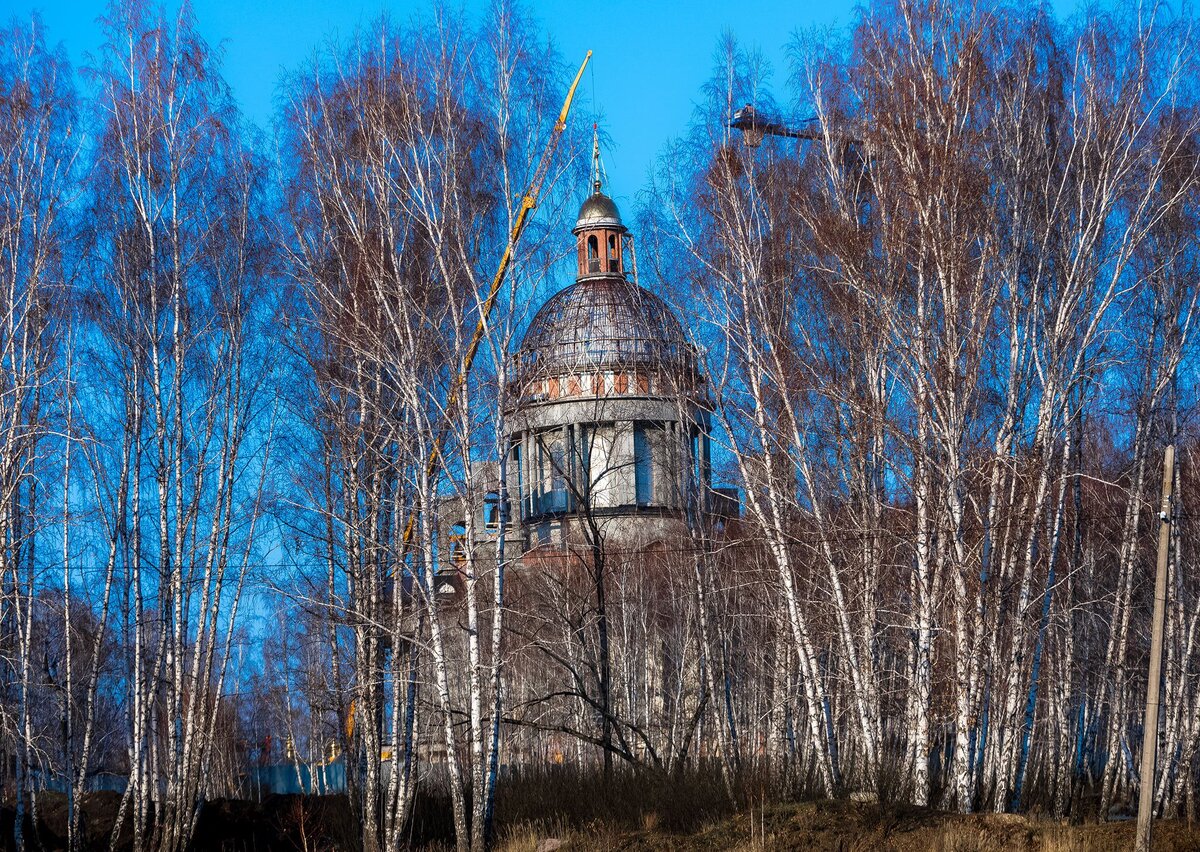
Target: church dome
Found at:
x=603, y=323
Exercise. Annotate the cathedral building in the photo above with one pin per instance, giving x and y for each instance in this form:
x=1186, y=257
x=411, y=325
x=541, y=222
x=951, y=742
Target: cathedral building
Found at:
x=609, y=412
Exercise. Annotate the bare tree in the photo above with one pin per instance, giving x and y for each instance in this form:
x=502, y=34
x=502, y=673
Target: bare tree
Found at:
x=914, y=302
x=38, y=151
x=398, y=221
x=179, y=402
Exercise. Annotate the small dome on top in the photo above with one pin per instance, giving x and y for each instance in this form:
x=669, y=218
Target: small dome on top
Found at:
x=598, y=211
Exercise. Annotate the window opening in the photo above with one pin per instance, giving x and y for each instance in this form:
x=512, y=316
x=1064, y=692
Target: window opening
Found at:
x=643, y=466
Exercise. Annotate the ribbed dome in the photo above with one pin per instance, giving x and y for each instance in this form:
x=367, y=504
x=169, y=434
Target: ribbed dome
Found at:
x=598, y=211
x=602, y=323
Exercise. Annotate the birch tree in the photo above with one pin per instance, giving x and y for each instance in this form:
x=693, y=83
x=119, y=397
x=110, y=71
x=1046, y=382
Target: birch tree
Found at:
x=913, y=301
x=38, y=146
x=180, y=402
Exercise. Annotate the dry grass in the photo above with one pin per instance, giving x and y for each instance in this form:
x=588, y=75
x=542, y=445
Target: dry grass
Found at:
x=979, y=837
x=522, y=838
x=839, y=826
x=1062, y=839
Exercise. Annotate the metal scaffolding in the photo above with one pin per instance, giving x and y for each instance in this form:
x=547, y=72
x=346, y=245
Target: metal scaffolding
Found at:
x=603, y=323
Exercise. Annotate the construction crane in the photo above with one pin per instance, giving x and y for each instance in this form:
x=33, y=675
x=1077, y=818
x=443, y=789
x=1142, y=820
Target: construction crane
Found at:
x=754, y=125
x=529, y=202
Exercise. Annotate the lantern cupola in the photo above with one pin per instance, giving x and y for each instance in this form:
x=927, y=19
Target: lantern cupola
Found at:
x=599, y=232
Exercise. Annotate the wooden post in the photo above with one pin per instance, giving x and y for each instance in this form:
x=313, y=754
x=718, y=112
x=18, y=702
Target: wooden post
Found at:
x=1150, y=723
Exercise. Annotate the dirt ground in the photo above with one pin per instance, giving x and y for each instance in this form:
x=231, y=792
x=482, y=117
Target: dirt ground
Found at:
x=287, y=823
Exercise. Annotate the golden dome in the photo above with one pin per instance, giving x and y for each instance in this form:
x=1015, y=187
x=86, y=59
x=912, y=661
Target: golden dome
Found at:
x=598, y=211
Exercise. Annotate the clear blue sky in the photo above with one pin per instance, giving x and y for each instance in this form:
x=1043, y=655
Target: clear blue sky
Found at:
x=650, y=58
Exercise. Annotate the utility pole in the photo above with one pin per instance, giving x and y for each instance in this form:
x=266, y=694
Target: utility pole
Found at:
x=1150, y=723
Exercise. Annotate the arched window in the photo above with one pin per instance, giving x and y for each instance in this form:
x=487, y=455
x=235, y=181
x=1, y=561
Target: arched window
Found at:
x=593, y=253
x=458, y=543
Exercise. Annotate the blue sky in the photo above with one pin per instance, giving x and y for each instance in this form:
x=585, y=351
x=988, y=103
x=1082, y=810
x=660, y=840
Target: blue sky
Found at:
x=649, y=62
x=649, y=58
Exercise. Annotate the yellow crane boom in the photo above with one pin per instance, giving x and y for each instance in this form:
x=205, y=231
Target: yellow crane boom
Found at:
x=528, y=203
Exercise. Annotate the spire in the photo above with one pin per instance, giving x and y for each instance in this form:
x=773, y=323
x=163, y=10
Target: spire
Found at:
x=596, y=164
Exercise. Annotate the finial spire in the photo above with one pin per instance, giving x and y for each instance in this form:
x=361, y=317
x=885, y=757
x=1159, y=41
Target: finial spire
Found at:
x=596, y=157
